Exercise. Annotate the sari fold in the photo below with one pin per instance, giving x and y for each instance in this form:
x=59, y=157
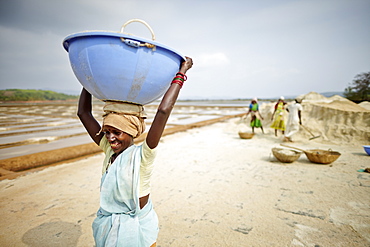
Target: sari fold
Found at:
x=120, y=221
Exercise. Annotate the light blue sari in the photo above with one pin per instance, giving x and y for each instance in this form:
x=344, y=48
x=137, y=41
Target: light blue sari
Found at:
x=120, y=221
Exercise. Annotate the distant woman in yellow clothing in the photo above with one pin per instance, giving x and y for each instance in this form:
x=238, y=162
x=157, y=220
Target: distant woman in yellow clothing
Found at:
x=278, y=116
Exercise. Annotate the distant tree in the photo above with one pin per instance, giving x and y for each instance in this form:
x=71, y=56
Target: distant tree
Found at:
x=359, y=89
x=32, y=95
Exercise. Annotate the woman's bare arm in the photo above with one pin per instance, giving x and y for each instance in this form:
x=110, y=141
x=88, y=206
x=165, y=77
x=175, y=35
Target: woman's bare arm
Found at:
x=85, y=115
x=165, y=109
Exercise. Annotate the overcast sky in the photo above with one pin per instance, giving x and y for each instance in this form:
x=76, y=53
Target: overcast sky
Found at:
x=240, y=48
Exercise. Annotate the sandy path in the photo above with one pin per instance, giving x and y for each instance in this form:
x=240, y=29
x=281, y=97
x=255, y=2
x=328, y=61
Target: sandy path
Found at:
x=210, y=188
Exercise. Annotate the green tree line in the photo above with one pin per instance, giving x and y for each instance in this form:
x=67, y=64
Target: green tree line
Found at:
x=359, y=89
x=32, y=95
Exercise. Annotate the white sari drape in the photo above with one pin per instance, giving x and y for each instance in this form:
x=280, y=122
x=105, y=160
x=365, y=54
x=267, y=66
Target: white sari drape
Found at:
x=120, y=221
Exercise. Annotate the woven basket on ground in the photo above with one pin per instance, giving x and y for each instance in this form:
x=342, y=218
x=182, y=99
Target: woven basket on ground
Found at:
x=286, y=155
x=322, y=156
x=245, y=135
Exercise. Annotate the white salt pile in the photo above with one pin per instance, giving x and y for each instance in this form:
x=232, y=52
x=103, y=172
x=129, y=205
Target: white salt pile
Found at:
x=365, y=104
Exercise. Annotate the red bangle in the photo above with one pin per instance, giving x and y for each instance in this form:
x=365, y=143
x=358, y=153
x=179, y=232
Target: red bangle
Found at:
x=179, y=78
x=182, y=74
x=178, y=82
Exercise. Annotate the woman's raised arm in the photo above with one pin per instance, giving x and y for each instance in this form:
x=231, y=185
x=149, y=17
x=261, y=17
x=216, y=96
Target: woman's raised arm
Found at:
x=165, y=108
x=85, y=115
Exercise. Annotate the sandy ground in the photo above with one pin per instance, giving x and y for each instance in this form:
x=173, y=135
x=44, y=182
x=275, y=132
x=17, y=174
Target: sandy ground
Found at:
x=210, y=188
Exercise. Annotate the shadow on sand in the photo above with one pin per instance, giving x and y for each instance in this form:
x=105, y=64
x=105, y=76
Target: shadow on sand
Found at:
x=56, y=233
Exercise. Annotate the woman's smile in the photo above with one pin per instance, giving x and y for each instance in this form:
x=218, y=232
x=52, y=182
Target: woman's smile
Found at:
x=118, y=139
x=115, y=145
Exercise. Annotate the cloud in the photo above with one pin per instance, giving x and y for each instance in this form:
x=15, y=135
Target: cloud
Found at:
x=240, y=48
x=275, y=72
x=210, y=60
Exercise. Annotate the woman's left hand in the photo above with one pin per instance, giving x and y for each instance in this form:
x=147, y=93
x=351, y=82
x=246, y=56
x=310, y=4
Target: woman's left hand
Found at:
x=186, y=65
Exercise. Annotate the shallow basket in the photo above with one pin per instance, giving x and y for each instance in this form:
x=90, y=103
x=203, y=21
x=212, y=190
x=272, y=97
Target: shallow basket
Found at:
x=320, y=156
x=286, y=155
x=122, y=67
x=245, y=135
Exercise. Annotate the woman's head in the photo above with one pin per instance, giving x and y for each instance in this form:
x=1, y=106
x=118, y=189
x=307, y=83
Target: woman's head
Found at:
x=129, y=124
x=117, y=139
x=124, y=128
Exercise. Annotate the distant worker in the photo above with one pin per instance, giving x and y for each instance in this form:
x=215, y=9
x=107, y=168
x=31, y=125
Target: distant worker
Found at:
x=278, y=116
x=255, y=115
x=294, y=119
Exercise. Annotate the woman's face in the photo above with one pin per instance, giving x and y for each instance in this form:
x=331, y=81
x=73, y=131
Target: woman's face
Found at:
x=118, y=139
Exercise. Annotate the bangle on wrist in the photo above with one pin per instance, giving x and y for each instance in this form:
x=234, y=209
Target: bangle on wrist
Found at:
x=182, y=74
x=178, y=82
x=179, y=78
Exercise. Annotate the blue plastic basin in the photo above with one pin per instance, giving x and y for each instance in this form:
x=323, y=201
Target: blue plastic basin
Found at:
x=112, y=69
x=367, y=149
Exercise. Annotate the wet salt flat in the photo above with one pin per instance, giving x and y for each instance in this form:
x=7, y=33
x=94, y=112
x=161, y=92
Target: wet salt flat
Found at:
x=27, y=128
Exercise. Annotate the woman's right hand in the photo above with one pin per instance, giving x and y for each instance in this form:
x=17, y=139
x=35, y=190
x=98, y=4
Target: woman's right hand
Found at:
x=86, y=117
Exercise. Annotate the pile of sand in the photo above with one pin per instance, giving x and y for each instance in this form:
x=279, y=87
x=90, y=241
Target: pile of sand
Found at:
x=365, y=104
x=314, y=97
x=336, y=119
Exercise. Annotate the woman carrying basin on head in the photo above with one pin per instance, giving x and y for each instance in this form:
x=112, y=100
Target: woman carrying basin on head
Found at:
x=126, y=216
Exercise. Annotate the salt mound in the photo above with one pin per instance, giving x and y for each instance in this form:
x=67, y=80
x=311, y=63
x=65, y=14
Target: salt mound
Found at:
x=337, y=97
x=313, y=96
x=335, y=102
x=365, y=104
x=338, y=120
x=335, y=119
